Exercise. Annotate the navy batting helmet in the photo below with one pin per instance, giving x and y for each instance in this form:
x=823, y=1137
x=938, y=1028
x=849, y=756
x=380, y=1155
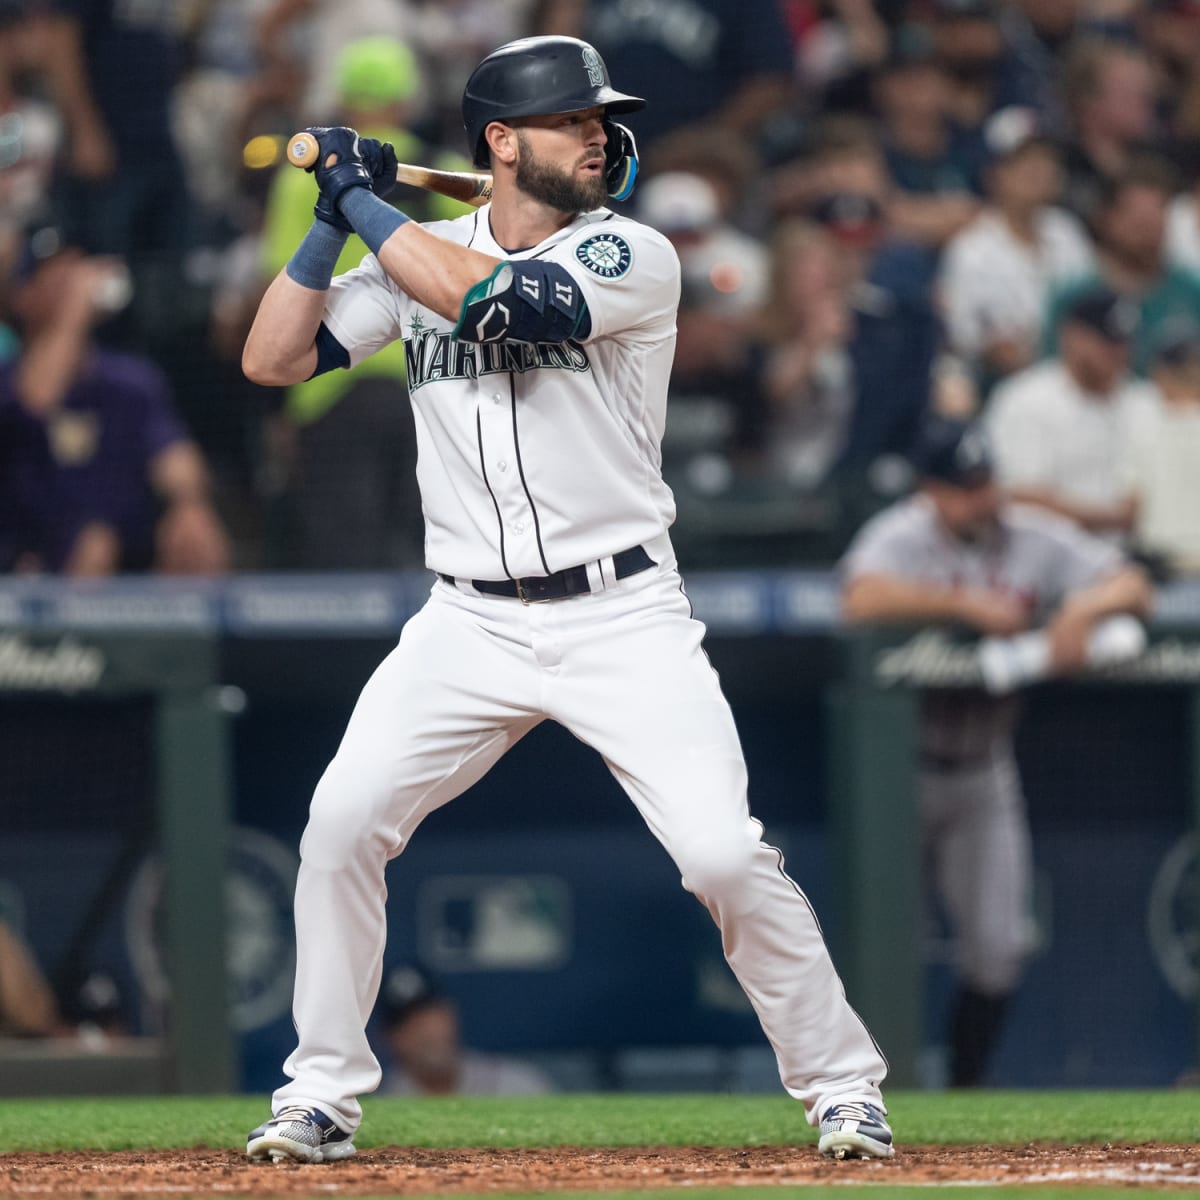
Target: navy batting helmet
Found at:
x=537, y=76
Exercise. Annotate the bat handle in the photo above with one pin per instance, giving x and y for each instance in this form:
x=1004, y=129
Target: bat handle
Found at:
x=303, y=149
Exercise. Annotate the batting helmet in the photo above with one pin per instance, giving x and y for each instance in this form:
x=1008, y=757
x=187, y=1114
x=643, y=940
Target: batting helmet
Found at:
x=536, y=76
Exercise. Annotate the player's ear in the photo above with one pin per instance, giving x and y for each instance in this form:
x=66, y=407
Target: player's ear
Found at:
x=502, y=142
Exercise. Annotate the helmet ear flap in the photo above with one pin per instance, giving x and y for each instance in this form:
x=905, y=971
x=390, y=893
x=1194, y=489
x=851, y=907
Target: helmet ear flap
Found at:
x=620, y=160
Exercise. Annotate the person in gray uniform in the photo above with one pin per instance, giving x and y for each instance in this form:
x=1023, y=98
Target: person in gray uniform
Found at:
x=956, y=553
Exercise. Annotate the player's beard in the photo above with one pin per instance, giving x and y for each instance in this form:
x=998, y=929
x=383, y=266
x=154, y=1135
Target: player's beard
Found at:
x=555, y=187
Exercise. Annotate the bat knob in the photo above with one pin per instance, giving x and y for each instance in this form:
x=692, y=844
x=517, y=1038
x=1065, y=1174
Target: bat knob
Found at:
x=303, y=149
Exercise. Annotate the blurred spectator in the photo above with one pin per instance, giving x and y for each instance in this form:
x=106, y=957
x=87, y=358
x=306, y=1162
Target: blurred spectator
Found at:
x=1038, y=35
x=1062, y=427
x=720, y=263
x=956, y=555
x=721, y=62
x=311, y=34
x=27, y=1004
x=836, y=47
x=450, y=36
x=112, y=68
x=1164, y=456
x=231, y=91
x=306, y=36
x=352, y=490
x=713, y=388
x=1170, y=32
x=96, y=472
x=725, y=162
x=30, y=128
x=1111, y=95
x=970, y=46
x=895, y=335
x=30, y=1009
x=423, y=1050
x=808, y=376
x=933, y=164
x=1130, y=228
x=998, y=274
x=1182, y=241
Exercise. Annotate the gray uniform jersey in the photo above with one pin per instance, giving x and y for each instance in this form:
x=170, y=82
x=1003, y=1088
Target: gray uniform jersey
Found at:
x=1029, y=553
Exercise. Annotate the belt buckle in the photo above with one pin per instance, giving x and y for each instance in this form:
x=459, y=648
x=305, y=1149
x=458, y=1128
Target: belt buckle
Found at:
x=526, y=598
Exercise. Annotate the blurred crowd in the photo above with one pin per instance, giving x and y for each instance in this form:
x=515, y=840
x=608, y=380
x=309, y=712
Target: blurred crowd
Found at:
x=884, y=209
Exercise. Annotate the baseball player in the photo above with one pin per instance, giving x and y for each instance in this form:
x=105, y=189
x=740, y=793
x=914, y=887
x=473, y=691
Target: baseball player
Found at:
x=539, y=332
x=956, y=554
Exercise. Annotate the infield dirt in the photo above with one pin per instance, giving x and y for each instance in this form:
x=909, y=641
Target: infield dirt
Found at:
x=414, y=1171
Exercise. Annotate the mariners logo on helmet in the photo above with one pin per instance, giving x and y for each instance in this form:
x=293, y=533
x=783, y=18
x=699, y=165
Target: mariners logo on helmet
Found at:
x=607, y=255
x=594, y=66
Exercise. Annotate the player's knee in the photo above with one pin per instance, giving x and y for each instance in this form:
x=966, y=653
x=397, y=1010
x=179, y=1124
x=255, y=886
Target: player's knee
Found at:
x=342, y=819
x=717, y=864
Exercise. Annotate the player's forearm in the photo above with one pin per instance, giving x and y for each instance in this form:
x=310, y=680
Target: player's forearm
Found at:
x=433, y=271
x=281, y=345
x=1127, y=591
x=1096, y=518
x=886, y=598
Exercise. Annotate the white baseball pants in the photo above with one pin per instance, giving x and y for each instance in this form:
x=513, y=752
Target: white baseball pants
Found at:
x=624, y=671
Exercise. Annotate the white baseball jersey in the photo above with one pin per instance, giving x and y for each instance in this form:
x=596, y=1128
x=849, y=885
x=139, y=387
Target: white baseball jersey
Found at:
x=534, y=458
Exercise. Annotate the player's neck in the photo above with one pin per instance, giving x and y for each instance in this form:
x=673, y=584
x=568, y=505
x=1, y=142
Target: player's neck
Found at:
x=519, y=222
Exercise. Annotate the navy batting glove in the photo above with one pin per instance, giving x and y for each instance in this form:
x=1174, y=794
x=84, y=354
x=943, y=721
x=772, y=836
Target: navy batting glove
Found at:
x=620, y=160
x=348, y=169
x=380, y=159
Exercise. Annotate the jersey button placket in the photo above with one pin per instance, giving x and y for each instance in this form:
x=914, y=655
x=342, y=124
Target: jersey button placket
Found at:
x=507, y=488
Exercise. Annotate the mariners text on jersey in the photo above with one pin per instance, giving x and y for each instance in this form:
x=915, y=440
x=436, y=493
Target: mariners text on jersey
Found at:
x=432, y=355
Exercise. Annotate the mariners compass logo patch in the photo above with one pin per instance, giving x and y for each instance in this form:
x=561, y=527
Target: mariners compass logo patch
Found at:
x=606, y=254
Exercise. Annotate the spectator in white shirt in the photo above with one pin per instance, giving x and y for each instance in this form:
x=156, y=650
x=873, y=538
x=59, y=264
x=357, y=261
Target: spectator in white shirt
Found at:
x=1061, y=429
x=997, y=274
x=1183, y=223
x=1163, y=464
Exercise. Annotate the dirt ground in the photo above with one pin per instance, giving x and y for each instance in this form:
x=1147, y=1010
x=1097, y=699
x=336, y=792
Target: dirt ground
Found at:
x=411, y=1171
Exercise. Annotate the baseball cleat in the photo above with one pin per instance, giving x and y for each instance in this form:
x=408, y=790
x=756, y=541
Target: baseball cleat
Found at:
x=855, y=1130
x=301, y=1134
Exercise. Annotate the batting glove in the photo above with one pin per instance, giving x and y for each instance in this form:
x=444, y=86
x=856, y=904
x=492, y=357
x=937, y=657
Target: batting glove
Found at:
x=620, y=160
x=380, y=159
x=347, y=170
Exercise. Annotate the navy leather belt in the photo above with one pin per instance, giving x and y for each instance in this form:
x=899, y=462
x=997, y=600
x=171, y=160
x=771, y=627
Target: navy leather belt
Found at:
x=573, y=581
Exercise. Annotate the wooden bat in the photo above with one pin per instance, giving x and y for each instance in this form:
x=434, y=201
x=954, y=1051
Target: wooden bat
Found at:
x=466, y=186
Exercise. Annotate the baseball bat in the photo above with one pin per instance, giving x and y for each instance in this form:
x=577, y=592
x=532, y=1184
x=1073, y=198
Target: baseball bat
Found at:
x=466, y=186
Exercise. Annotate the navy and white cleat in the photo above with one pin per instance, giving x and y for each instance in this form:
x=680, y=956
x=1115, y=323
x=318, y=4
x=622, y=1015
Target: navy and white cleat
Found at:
x=301, y=1134
x=855, y=1130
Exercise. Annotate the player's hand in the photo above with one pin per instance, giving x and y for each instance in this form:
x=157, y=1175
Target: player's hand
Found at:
x=620, y=160
x=380, y=159
x=339, y=165
x=994, y=614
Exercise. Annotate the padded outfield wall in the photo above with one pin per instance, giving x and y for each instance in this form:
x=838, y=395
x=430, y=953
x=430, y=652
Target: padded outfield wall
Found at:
x=143, y=722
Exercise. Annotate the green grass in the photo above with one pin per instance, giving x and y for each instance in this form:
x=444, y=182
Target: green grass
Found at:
x=999, y=1118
